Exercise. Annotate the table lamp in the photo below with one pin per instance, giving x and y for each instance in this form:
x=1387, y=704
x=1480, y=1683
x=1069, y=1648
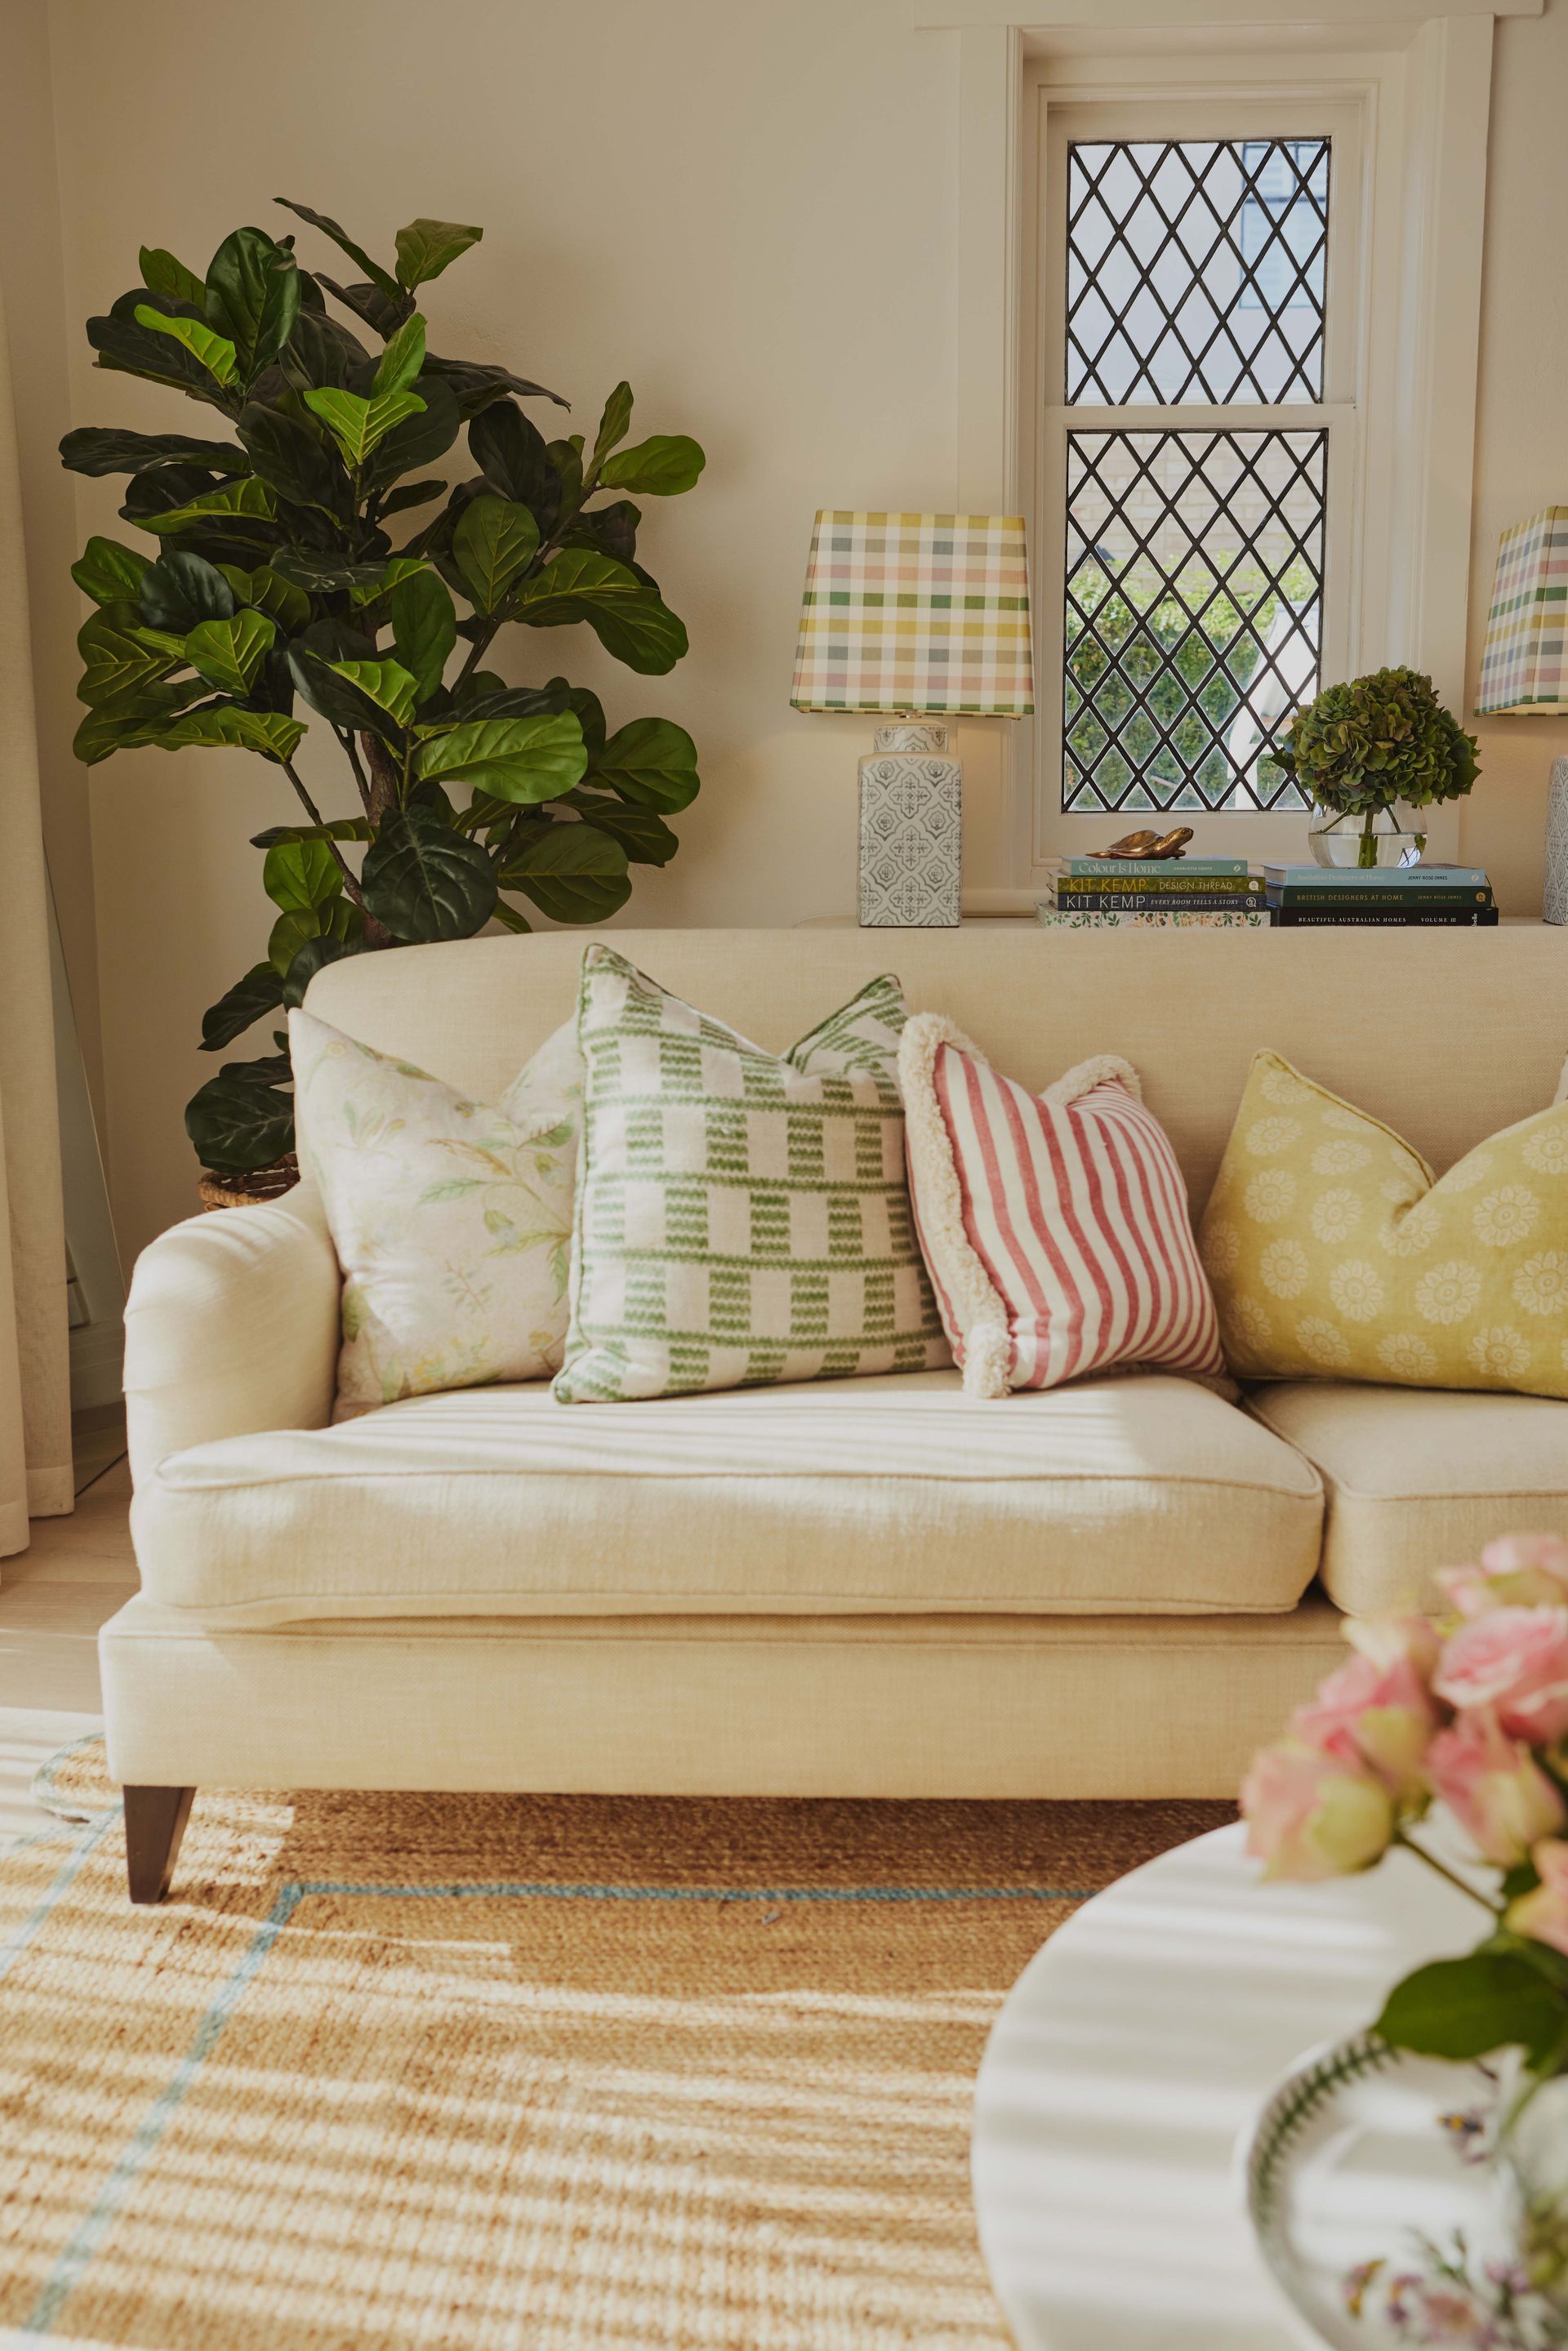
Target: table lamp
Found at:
x=1524, y=666
x=917, y=615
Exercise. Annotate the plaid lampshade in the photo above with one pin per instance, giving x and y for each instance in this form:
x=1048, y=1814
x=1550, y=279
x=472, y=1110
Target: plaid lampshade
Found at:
x=1525, y=663
x=915, y=611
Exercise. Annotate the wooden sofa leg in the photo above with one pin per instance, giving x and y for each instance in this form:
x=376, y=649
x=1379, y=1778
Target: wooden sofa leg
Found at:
x=154, y=1824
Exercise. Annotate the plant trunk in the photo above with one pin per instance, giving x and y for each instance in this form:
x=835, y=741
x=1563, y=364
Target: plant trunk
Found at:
x=382, y=799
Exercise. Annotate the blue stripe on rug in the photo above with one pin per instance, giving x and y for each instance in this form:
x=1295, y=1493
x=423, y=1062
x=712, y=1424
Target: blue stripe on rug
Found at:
x=88, y=2238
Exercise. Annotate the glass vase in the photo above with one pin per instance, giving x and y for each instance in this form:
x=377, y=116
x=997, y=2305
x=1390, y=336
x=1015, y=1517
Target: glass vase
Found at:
x=1379, y=837
x=1533, y=2155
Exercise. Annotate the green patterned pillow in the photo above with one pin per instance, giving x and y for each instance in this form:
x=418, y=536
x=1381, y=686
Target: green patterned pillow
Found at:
x=740, y=1219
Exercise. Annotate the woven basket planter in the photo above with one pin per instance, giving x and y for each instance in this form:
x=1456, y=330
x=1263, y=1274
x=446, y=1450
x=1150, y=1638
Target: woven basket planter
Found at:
x=245, y=1191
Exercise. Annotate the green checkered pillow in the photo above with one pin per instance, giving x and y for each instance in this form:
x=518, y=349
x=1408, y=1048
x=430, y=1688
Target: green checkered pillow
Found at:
x=740, y=1219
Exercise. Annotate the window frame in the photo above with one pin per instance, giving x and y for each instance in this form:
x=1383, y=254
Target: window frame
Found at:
x=1422, y=75
x=1063, y=119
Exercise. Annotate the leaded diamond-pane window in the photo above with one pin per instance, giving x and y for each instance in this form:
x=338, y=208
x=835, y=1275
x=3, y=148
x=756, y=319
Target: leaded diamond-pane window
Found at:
x=1197, y=270
x=1195, y=574
x=1197, y=442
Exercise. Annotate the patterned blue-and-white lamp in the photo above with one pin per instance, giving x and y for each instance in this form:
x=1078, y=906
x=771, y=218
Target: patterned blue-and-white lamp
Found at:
x=1524, y=668
x=918, y=616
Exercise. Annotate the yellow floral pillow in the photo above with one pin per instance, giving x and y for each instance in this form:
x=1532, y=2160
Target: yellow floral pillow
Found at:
x=1334, y=1253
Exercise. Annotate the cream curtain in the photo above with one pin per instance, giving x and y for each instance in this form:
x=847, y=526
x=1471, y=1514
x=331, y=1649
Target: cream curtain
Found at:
x=35, y=1366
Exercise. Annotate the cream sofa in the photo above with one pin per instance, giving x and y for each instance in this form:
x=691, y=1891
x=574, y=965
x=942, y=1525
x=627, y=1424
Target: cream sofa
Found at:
x=856, y=1587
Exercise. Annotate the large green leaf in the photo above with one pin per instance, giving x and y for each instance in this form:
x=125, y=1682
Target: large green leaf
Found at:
x=386, y=683
x=180, y=588
x=425, y=248
x=293, y=457
x=115, y=667
x=496, y=700
x=610, y=531
x=418, y=441
x=378, y=695
x=519, y=760
x=426, y=882
x=659, y=468
x=269, y=593
x=403, y=357
x=629, y=619
x=494, y=541
x=226, y=727
x=163, y=273
x=425, y=628
x=211, y=352
x=334, y=918
x=476, y=384
x=252, y=297
x=248, y=499
x=105, y=449
x=313, y=954
x=325, y=575
x=243, y=1118
x=240, y=1007
x=300, y=874
x=573, y=872
x=123, y=726
x=1468, y=2007
x=344, y=243
x=228, y=653
x=374, y=595
x=108, y=573
x=652, y=762
x=130, y=349
x=337, y=828
x=357, y=423
x=510, y=450
x=323, y=351
x=409, y=494
x=613, y=425
x=646, y=837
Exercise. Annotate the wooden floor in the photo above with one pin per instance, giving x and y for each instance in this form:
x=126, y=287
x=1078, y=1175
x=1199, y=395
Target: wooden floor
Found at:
x=53, y=1597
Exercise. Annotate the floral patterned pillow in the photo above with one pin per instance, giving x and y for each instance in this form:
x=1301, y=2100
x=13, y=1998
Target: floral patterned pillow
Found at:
x=452, y=1218
x=1335, y=1253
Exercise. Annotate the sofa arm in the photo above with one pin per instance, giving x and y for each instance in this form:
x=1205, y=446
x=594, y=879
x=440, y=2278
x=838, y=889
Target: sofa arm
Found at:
x=231, y=1326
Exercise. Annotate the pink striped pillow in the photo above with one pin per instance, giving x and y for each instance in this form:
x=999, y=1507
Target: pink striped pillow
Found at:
x=1054, y=1226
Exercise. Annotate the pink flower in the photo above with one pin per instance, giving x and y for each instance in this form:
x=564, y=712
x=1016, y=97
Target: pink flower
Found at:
x=1494, y=1787
x=1514, y=1660
x=1542, y=1915
x=1376, y=1714
x=1386, y=1639
x=1515, y=1572
x=1311, y=1815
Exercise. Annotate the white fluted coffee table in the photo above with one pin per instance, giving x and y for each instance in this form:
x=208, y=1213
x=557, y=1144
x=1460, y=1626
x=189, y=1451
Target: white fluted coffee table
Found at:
x=1127, y=2057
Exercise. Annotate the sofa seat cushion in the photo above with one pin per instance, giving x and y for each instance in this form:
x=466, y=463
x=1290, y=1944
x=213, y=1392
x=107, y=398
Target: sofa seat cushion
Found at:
x=1418, y=1479
x=897, y=1493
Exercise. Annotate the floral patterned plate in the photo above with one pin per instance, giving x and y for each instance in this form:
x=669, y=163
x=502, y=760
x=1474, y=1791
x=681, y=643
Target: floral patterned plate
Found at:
x=1366, y=2155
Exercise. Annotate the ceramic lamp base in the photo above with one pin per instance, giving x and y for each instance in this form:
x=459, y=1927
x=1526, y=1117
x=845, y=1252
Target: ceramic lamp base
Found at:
x=1555, y=905
x=911, y=830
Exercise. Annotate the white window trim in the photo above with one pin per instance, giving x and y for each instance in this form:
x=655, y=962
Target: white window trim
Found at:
x=1425, y=83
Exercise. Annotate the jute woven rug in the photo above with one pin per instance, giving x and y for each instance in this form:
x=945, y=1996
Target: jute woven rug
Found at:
x=506, y=2073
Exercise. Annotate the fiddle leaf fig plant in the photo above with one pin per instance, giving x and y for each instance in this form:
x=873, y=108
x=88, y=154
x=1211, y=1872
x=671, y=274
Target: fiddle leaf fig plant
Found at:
x=277, y=612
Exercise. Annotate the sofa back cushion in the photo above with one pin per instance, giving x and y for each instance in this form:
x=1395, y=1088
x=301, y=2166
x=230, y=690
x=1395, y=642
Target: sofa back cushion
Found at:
x=1447, y=1036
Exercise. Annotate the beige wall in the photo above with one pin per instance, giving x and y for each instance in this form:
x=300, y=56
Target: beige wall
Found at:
x=747, y=206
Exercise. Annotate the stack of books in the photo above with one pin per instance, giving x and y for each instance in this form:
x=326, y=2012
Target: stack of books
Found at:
x=1107, y=894
x=1451, y=897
